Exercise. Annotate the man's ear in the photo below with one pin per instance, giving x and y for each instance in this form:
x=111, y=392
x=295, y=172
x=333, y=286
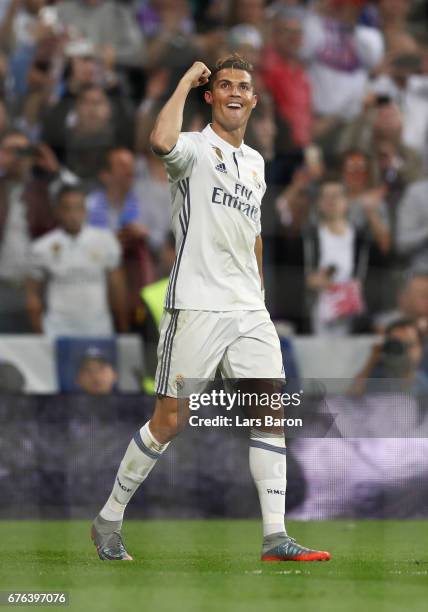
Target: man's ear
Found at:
x=255, y=100
x=208, y=96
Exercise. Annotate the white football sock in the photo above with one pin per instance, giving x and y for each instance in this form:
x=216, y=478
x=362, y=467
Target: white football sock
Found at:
x=268, y=468
x=140, y=457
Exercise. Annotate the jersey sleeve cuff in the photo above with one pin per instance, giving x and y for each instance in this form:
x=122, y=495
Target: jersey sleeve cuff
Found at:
x=165, y=155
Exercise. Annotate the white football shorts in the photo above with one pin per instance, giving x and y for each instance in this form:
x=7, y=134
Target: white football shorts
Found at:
x=244, y=344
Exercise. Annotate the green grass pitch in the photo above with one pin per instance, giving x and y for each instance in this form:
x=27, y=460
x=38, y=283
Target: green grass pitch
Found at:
x=214, y=566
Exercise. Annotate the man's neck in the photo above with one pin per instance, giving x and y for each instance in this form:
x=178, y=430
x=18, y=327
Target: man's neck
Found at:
x=234, y=137
x=116, y=196
x=336, y=226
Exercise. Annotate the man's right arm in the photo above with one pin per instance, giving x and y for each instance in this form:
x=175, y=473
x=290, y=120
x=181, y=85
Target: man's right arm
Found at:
x=34, y=291
x=412, y=230
x=167, y=128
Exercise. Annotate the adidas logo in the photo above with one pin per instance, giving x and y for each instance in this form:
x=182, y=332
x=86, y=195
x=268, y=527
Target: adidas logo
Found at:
x=221, y=168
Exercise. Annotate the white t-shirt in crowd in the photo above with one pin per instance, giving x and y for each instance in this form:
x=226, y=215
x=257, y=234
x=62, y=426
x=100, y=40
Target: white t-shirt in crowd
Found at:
x=216, y=192
x=340, y=58
x=16, y=238
x=337, y=250
x=75, y=269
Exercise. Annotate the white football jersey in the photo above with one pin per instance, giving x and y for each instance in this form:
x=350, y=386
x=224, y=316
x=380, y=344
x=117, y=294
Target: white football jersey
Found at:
x=216, y=192
x=75, y=269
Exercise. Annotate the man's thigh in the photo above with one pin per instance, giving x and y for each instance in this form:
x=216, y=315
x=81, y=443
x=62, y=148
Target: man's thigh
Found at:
x=191, y=345
x=256, y=351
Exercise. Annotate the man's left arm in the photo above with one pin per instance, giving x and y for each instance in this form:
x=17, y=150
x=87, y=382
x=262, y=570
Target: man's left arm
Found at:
x=258, y=249
x=117, y=297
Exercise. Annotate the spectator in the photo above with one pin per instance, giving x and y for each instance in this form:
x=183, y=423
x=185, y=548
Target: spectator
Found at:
x=405, y=86
x=108, y=25
x=35, y=103
x=378, y=133
x=18, y=27
x=96, y=375
x=115, y=205
x=294, y=203
x=341, y=54
x=367, y=210
x=79, y=267
x=83, y=70
x=25, y=28
x=285, y=78
x=24, y=215
x=90, y=132
x=411, y=303
x=398, y=358
x=80, y=71
x=392, y=168
x=412, y=225
x=335, y=264
x=393, y=22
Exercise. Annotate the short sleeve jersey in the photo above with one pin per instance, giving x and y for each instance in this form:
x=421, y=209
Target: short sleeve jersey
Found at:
x=216, y=191
x=75, y=270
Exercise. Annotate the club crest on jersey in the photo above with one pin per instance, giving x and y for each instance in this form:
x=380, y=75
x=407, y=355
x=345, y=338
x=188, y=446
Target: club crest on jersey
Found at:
x=221, y=168
x=95, y=255
x=256, y=180
x=179, y=381
x=218, y=153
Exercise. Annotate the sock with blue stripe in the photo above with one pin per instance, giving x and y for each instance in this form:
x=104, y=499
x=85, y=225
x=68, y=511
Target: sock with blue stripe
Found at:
x=140, y=458
x=268, y=468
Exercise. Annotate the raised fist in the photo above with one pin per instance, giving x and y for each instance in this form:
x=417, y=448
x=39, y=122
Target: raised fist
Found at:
x=197, y=75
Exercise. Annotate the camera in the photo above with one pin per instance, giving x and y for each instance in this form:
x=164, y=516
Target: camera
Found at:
x=394, y=358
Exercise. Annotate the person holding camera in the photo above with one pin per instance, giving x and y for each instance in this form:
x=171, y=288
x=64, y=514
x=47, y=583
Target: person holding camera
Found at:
x=25, y=214
x=398, y=358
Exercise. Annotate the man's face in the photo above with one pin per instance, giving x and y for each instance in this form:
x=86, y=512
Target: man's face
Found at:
x=72, y=212
x=394, y=9
x=15, y=159
x=232, y=98
x=122, y=169
x=414, y=300
x=332, y=202
x=34, y=6
x=355, y=172
x=387, y=122
x=410, y=338
x=250, y=11
x=96, y=377
x=288, y=37
x=93, y=110
x=84, y=70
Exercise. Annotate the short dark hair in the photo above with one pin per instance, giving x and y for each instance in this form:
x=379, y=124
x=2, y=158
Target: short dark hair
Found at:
x=87, y=87
x=108, y=154
x=65, y=190
x=12, y=131
x=330, y=177
x=400, y=323
x=235, y=61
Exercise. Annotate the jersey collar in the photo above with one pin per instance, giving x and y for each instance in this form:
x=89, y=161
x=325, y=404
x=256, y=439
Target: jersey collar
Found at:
x=219, y=142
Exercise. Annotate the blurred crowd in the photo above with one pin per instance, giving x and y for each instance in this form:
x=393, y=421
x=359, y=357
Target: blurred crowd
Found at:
x=341, y=121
